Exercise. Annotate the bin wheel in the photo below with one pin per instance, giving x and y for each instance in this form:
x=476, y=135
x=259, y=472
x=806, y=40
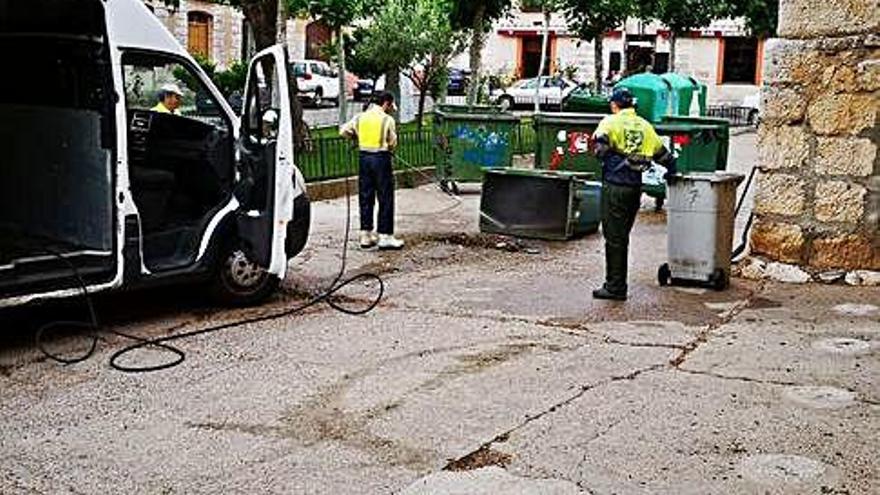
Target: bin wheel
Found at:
x=719, y=280
x=664, y=275
x=454, y=187
x=444, y=186
x=658, y=204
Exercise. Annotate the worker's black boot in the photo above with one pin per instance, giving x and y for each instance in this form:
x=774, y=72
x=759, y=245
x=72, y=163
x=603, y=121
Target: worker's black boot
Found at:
x=604, y=293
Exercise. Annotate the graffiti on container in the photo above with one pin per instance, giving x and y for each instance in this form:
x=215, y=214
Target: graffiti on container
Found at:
x=483, y=147
x=569, y=144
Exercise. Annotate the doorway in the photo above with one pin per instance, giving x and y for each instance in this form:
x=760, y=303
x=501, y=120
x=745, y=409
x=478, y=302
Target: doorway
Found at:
x=530, y=58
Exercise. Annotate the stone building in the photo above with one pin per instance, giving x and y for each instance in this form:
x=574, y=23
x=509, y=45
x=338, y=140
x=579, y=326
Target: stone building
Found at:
x=818, y=197
x=722, y=56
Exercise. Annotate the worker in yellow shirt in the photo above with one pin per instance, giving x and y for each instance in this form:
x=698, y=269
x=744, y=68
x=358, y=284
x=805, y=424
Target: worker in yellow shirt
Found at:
x=376, y=136
x=170, y=97
x=627, y=145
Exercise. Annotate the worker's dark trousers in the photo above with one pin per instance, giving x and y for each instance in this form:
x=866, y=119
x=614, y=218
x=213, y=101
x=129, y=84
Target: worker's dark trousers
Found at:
x=376, y=179
x=620, y=205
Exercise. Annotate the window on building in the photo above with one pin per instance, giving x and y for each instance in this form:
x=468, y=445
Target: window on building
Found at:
x=661, y=63
x=614, y=62
x=740, y=60
x=199, y=33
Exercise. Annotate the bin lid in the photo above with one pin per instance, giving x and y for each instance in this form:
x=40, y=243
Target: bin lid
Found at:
x=714, y=177
x=679, y=81
x=551, y=174
x=569, y=118
x=684, y=127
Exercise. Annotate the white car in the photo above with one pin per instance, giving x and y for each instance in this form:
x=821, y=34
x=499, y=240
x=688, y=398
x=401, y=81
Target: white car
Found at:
x=522, y=93
x=317, y=81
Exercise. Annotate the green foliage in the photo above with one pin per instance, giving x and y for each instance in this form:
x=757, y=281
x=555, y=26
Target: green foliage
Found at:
x=591, y=19
x=335, y=13
x=232, y=79
x=761, y=16
x=681, y=16
x=464, y=13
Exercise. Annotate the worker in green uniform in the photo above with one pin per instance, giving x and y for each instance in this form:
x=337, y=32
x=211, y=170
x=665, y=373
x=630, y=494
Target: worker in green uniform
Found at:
x=627, y=145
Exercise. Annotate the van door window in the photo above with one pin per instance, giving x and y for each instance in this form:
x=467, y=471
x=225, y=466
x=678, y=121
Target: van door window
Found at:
x=180, y=148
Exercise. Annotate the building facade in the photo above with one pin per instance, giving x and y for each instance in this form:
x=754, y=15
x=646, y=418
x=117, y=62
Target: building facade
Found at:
x=721, y=56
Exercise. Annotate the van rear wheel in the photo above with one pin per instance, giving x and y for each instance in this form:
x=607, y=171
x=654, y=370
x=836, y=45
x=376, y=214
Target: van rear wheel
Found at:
x=238, y=281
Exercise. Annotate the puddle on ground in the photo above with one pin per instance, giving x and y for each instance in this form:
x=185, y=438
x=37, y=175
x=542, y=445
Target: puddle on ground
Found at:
x=851, y=309
x=781, y=468
x=842, y=345
x=820, y=397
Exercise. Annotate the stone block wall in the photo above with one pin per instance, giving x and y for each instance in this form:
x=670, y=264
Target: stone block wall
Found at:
x=818, y=197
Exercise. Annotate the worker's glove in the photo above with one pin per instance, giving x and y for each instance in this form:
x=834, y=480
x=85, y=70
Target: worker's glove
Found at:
x=671, y=178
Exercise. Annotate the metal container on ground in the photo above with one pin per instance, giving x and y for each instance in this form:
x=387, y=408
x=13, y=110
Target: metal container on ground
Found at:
x=469, y=142
x=700, y=230
x=652, y=93
x=539, y=204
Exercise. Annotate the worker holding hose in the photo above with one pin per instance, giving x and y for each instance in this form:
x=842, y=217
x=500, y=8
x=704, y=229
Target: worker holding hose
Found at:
x=376, y=134
x=627, y=145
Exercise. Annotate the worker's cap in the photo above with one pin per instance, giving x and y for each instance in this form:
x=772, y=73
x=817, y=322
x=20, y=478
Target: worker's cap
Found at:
x=171, y=88
x=622, y=97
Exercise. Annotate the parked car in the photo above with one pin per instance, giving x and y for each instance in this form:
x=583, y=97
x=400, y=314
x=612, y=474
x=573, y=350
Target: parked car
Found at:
x=583, y=99
x=522, y=93
x=316, y=81
x=365, y=88
x=458, y=82
x=149, y=194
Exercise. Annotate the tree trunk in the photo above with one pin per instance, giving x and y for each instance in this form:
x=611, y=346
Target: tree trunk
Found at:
x=423, y=93
x=392, y=85
x=343, y=93
x=598, y=63
x=478, y=39
x=673, y=40
x=543, y=60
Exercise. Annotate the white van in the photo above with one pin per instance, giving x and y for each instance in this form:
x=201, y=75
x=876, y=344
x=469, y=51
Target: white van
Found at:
x=99, y=186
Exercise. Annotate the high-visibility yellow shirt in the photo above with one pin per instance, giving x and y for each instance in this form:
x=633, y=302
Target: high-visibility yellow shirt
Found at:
x=630, y=134
x=161, y=108
x=375, y=130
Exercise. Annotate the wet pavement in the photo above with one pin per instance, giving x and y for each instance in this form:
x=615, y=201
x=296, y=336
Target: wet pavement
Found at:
x=487, y=368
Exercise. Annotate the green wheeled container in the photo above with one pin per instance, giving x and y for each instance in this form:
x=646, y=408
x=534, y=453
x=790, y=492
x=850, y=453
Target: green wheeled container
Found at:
x=652, y=93
x=562, y=142
x=582, y=100
x=684, y=90
x=469, y=142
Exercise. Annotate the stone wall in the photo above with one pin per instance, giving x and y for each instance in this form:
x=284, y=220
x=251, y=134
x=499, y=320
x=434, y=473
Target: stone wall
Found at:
x=818, y=197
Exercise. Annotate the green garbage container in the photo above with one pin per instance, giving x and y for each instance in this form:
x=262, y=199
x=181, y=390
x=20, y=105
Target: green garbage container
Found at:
x=683, y=91
x=469, y=143
x=540, y=204
x=652, y=95
x=563, y=142
x=702, y=143
x=584, y=101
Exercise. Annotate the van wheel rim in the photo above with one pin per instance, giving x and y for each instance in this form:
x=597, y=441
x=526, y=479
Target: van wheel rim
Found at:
x=243, y=272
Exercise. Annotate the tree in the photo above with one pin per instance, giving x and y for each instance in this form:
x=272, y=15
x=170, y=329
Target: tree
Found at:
x=262, y=17
x=476, y=18
x=761, y=16
x=592, y=19
x=681, y=16
x=415, y=38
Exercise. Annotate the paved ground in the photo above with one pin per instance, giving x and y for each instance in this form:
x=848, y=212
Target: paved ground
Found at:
x=487, y=369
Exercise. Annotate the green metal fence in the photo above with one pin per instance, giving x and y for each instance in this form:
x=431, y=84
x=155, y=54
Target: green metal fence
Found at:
x=334, y=157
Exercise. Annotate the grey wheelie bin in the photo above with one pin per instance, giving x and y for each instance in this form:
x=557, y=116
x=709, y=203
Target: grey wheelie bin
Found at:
x=700, y=229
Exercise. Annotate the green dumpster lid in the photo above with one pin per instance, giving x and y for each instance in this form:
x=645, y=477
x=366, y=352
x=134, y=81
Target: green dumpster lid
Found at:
x=492, y=117
x=684, y=127
x=569, y=118
x=679, y=81
x=645, y=80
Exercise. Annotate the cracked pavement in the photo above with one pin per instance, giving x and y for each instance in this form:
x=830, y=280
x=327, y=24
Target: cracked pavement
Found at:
x=486, y=369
